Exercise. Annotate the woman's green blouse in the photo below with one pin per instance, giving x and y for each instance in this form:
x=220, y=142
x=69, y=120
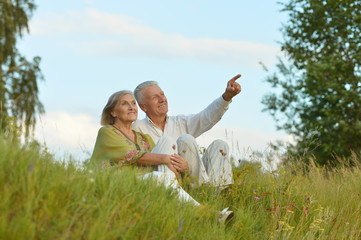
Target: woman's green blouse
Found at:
x=114, y=148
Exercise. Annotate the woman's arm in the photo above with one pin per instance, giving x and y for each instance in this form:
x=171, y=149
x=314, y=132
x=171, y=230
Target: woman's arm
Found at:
x=153, y=159
x=157, y=159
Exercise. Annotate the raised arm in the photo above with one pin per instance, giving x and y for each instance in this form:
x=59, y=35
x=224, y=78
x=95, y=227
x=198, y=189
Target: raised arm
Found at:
x=196, y=124
x=232, y=89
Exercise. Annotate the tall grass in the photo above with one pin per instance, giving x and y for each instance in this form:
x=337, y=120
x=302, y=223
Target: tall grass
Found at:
x=42, y=198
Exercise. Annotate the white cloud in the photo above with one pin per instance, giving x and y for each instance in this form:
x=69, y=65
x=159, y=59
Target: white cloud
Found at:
x=99, y=33
x=89, y=2
x=75, y=134
x=66, y=133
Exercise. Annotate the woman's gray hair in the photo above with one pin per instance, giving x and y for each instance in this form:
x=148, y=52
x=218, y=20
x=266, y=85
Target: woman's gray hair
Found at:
x=138, y=91
x=107, y=118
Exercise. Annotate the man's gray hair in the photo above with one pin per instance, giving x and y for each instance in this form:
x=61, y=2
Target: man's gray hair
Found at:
x=107, y=118
x=138, y=91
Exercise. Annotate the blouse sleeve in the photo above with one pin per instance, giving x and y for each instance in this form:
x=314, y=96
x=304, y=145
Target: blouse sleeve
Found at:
x=149, y=140
x=111, y=149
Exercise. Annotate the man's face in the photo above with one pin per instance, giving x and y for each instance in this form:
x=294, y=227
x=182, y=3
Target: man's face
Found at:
x=155, y=103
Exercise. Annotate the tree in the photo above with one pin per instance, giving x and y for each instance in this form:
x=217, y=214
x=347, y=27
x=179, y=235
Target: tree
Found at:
x=319, y=101
x=19, y=77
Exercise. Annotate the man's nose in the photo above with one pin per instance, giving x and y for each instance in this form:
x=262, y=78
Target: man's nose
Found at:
x=162, y=99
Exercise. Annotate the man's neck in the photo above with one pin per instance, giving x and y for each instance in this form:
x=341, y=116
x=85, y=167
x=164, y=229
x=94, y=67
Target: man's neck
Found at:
x=159, y=121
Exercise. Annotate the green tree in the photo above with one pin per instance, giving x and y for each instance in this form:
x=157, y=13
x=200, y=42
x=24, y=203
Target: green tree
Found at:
x=19, y=102
x=318, y=99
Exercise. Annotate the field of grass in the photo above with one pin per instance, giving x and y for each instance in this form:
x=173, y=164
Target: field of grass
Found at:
x=43, y=198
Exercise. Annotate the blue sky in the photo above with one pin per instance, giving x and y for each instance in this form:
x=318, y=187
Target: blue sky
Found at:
x=92, y=48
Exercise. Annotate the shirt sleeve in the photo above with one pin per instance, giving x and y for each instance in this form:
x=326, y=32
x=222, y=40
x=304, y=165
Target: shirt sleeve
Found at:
x=111, y=149
x=196, y=124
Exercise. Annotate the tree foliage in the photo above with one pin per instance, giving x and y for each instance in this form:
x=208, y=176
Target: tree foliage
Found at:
x=320, y=98
x=19, y=77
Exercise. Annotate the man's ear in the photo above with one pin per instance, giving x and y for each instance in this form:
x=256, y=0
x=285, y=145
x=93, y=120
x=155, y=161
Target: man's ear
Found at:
x=143, y=107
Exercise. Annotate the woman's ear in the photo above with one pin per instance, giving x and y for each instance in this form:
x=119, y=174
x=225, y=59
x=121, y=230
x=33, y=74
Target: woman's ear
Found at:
x=113, y=114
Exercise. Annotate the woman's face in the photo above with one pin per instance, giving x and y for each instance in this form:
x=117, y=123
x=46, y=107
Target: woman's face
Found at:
x=126, y=109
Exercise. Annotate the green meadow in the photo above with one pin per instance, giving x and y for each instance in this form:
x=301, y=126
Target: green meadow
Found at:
x=47, y=198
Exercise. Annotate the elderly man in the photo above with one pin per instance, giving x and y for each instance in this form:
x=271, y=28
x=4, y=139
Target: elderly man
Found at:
x=215, y=166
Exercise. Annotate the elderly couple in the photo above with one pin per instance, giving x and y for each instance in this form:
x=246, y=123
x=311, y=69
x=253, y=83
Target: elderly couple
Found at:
x=164, y=145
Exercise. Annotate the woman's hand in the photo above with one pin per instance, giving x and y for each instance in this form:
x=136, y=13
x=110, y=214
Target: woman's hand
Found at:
x=168, y=162
x=171, y=167
x=179, y=163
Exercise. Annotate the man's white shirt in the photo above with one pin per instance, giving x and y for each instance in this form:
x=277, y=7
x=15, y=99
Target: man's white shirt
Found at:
x=193, y=124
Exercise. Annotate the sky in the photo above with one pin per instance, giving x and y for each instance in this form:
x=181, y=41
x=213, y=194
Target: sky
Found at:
x=91, y=49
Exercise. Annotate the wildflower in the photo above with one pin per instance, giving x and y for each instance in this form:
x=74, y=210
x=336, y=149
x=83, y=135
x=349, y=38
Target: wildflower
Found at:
x=91, y=171
x=91, y=180
x=229, y=189
x=218, y=190
x=288, y=209
x=180, y=225
x=305, y=210
x=257, y=198
x=200, y=193
x=223, y=153
x=265, y=194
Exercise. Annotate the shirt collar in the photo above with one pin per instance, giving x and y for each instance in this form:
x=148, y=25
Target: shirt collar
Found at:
x=151, y=122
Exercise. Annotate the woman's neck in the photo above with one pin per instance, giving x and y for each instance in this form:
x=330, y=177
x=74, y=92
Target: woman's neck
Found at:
x=124, y=127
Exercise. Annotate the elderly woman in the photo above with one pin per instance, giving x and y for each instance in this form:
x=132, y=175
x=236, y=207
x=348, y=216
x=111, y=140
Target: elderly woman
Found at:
x=118, y=145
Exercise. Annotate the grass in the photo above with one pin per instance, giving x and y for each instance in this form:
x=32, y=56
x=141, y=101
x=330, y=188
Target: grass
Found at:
x=42, y=198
